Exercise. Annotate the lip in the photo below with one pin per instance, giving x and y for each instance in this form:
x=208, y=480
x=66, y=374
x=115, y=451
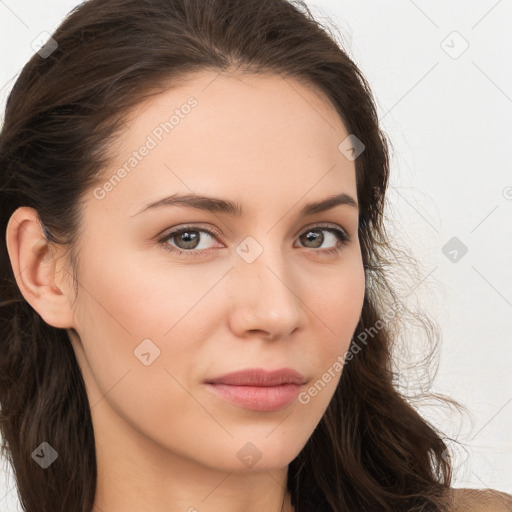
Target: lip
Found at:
x=260, y=377
x=258, y=389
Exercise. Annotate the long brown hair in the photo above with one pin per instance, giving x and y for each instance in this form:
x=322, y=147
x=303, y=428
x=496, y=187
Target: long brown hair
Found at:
x=371, y=450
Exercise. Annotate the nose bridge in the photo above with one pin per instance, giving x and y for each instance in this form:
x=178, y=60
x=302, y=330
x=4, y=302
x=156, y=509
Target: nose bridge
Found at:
x=266, y=298
x=264, y=260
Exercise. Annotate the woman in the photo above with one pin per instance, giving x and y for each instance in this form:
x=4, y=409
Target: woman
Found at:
x=195, y=311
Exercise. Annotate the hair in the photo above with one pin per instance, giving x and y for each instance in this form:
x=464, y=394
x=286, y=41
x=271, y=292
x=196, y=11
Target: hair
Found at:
x=372, y=450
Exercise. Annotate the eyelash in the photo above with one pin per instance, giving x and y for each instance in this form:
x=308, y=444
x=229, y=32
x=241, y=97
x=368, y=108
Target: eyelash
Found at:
x=343, y=237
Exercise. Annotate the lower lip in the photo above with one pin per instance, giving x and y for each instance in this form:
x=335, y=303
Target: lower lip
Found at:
x=258, y=398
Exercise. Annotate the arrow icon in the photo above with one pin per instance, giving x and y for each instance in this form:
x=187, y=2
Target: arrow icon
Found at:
x=44, y=455
x=147, y=352
x=454, y=249
x=249, y=455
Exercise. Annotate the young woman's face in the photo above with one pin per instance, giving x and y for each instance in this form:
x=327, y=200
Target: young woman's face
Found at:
x=270, y=288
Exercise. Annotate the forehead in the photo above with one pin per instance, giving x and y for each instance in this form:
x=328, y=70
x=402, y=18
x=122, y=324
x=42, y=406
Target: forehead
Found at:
x=256, y=136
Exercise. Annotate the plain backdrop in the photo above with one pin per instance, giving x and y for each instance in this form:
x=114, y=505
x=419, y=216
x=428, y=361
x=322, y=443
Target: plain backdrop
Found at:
x=441, y=75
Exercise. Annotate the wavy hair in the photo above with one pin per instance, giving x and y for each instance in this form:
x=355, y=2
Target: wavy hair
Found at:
x=371, y=450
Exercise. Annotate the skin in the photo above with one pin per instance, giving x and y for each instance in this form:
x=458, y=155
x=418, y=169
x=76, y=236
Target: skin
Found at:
x=164, y=442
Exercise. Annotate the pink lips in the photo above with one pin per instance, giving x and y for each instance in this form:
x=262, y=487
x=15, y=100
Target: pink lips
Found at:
x=257, y=389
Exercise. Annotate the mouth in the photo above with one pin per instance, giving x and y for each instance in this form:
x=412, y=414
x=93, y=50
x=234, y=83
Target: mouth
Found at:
x=257, y=389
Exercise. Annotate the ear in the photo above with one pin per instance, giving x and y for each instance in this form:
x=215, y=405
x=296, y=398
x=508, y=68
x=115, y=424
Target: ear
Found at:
x=34, y=264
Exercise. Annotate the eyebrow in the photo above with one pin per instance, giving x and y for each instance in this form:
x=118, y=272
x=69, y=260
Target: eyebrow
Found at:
x=217, y=205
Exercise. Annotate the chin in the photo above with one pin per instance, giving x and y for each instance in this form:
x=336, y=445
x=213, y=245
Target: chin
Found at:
x=263, y=452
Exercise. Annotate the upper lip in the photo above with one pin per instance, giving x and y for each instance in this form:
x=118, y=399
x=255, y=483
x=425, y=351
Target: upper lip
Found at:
x=260, y=377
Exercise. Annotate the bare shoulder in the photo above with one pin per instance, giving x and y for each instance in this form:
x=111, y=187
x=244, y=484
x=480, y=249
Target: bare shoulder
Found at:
x=480, y=500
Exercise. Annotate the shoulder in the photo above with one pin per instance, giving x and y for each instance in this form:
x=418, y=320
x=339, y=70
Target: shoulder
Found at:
x=480, y=500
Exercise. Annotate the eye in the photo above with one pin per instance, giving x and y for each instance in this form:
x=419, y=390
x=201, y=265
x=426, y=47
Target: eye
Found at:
x=186, y=240
x=314, y=236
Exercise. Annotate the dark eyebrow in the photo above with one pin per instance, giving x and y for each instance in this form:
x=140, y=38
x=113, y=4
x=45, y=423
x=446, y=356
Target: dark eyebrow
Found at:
x=216, y=205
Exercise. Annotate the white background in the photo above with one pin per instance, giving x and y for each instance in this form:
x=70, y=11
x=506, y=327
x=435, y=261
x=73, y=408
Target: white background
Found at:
x=448, y=114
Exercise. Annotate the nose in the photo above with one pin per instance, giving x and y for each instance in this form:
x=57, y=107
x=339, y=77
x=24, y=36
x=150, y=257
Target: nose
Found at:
x=266, y=298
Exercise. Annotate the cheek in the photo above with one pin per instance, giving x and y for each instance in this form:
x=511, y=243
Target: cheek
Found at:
x=124, y=312
x=338, y=304
x=140, y=297
x=337, y=307
x=127, y=304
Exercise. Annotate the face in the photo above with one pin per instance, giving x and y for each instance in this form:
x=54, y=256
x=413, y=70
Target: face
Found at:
x=172, y=296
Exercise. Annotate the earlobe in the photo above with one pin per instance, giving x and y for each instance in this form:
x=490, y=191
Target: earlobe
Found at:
x=34, y=268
